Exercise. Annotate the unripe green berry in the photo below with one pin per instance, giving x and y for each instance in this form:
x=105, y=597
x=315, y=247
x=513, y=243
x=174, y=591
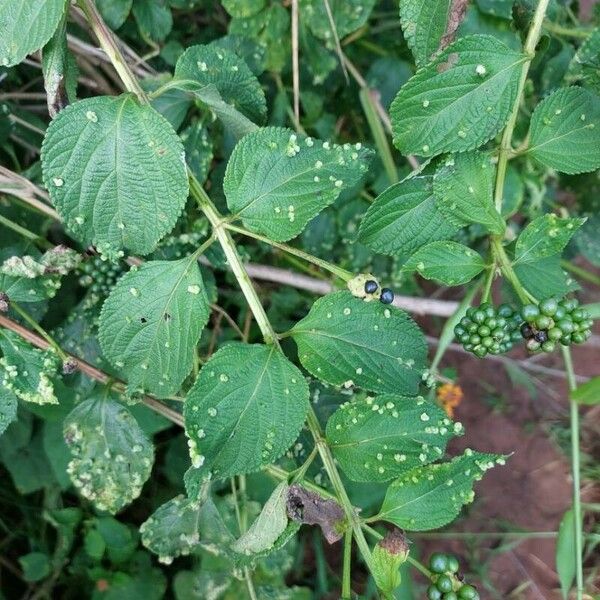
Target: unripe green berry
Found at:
x=533, y=345
x=478, y=317
x=578, y=337
x=566, y=326
x=548, y=346
x=543, y=322
x=529, y=312
x=548, y=307
x=505, y=310
x=453, y=564
x=438, y=562
x=577, y=315
x=433, y=593
x=450, y=596
x=480, y=351
x=444, y=583
x=468, y=592
x=554, y=334
x=484, y=330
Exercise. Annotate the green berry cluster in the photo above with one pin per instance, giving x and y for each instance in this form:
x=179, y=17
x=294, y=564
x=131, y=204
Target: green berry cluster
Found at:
x=446, y=585
x=489, y=330
x=100, y=275
x=553, y=321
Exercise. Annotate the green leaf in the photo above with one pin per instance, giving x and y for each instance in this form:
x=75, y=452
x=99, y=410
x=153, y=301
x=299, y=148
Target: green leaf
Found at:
x=464, y=186
x=460, y=100
x=245, y=409
x=35, y=566
x=428, y=24
x=18, y=278
x=27, y=371
x=154, y=18
x=448, y=262
x=585, y=66
x=344, y=341
x=432, y=496
x=151, y=323
x=587, y=240
x=348, y=16
x=115, y=12
x=229, y=74
x=8, y=408
x=243, y=8
x=25, y=26
x=403, y=218
x=112, y=457
x=587, y=393
x=115, y=172
x=565, y=131
x=172, y=529
x=378, y=439
x=198, y=150
x=276, y=181
x=268, y=526
x=565, y=552
x=545, y=277
x=545, y=236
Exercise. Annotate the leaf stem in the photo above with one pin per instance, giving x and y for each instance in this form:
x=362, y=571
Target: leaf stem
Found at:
x=34, y=237
x=507, y=270
x=323, y=264
x=575, y=471
x=506, y=144
x=487, y=290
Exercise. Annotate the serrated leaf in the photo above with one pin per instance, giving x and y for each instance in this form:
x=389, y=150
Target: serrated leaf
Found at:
x=403, y=218
x=243, y=8
x=115, y=173
x=245, y=409
x=27, y=371
x=463, y=189
x=460, y=100
x=348, y=16
x=545, y=277
x=345, y=340
x=427, y=24
x=112, y=457
x=432, y=496
x=545, y=236
x=8, y=408
x=172, y=529
x=587, y=393
x=151, y=323
x=566, y=552
x=229, y=74
x=268, y=526
x=378, y=439
x=25, y=26
x=153, y=17
x=276, y=181
x=198, y=150
x=565, y=131
x=448, y=262
x=585, y=65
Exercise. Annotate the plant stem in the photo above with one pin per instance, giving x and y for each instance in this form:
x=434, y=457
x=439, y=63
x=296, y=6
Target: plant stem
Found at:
x=37, y=327
x=565, y=31
x=567, y=266
x=487, y=290
x=507, y=270
x=109, y=45
x=366, y=99
x=575, y=471
x=347, y=566
x=337, y=271
x=34, y=237
x=506, y=144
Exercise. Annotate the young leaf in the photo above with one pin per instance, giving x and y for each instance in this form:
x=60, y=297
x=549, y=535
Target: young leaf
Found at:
x=432, y=496
x=8, y=408
x=115, y=172
x=151, y=323
x=460, y=100
x=346, y=341
x=276, y=181
x=27, y=371
x=172, y=529
x=403, y=218
x=545, y=236
x=565, y=552
x=378, y=439
x=245, y=409
x=229, y=74
x=463, y=189
x=112, y=457
x=269, y=525
x=448, y=262
x=25, y=26
x=429, y=24
x=565, y=131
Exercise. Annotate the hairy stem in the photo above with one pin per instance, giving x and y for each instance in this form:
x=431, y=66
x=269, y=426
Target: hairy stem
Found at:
x=346, y=569
x=508, y=272
x=575, y=470
x=506, y=144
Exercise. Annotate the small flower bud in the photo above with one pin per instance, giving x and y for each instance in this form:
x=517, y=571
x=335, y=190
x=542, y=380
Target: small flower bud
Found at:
x=388, y=556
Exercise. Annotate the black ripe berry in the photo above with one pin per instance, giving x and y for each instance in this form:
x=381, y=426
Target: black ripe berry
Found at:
x=371, y=286
x=541, y=336
x=387, y=296
x=527, y=331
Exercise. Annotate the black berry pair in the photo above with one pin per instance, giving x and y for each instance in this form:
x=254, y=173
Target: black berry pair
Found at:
x=446, y=584
x=387, y=295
